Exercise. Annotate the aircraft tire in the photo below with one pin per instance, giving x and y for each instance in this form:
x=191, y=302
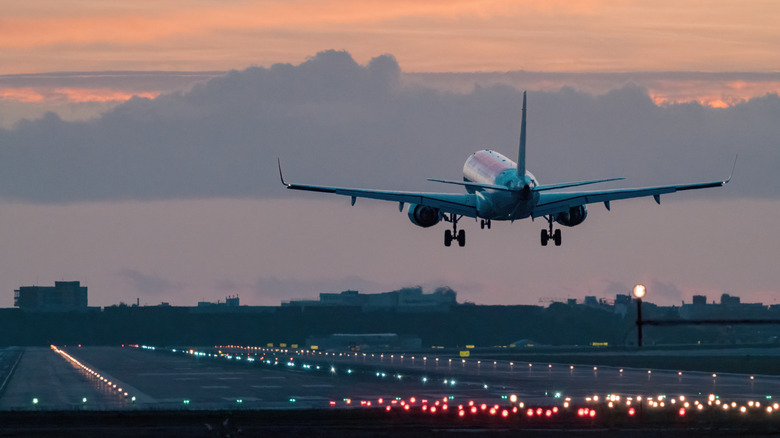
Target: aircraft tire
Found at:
x=447, y=238
x=545, y=237
x=557, y=237
x=462, y=238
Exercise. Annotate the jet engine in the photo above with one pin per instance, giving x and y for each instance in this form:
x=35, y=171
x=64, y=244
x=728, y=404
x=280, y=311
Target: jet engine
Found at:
x=423, y=216
x=575, y=216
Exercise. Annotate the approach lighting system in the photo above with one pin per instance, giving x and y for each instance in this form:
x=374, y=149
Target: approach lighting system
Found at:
x=639, y=291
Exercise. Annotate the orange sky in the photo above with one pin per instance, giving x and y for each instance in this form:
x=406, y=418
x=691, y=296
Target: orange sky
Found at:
x=424, y=35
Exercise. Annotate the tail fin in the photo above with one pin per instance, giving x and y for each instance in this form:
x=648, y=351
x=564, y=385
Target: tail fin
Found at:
x=521, y=153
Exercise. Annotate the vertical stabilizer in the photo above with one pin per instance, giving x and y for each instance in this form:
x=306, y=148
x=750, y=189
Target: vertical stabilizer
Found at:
x=521, y=153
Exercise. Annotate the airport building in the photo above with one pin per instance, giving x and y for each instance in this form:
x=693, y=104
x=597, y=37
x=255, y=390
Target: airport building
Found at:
x=64, y=296
x=365, y=341
x=410, y=300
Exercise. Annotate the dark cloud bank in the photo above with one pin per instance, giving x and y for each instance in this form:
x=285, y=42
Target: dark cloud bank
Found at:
x=335, y=122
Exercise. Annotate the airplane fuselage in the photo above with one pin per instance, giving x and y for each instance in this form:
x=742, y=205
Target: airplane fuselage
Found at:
x=490, y=167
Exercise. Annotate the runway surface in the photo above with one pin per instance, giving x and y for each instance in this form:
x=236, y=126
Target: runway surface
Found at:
x=109, y=378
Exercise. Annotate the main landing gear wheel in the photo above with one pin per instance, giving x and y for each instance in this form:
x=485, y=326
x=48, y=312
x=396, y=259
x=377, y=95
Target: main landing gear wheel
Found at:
x=484, y=223
x=454, y=234
x=554, y=235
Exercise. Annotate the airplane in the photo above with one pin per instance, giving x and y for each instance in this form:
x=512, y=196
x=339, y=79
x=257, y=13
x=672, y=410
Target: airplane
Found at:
x=498, y=189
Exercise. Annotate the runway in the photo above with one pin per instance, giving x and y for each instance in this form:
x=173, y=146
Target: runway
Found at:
x=101, y=378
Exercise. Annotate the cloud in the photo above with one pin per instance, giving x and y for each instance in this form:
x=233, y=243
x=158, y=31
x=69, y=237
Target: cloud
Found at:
x=335, y=122
x=148, y=284
x=666, y=291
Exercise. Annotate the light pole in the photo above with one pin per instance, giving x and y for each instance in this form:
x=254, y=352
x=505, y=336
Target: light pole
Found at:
x=639, y=292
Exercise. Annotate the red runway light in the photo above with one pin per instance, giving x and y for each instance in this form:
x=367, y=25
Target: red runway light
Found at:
x=530, y=413
x=406, y=407
x=387, y=408
x=682, y=412
x=461, y=413
x=539, y=411
x=412, y=400
x=473, y=409
x=492, y=411
x=433, y=409
x=548, y=413
x=483, y=407
x=631, y=411
x=504, y=413
x=592, y=414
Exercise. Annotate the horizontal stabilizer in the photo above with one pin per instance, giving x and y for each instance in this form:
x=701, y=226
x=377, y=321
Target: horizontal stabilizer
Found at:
x=574, y=184
x=474, y=185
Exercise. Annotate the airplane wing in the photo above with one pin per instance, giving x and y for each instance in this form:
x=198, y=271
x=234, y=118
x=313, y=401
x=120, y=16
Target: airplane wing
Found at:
x=553, y=203
x=461, y=204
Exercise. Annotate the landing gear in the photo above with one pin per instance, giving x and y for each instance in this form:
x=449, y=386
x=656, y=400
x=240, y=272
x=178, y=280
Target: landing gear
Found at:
x=547, y=235
x=484, y=223
x=449, y=236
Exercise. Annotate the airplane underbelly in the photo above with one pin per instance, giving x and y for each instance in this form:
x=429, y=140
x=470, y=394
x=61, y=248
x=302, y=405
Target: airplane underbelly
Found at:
x=500, y=206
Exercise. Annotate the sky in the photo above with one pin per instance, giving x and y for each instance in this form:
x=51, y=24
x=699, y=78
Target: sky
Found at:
x=138, y=146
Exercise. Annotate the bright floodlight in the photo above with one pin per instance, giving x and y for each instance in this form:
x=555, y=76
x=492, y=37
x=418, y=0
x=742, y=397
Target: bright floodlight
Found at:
x=639, y=291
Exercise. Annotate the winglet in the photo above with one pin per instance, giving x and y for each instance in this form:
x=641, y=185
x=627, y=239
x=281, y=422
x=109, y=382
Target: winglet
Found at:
x=278, y=161
x=521, y=152
x=732, y=170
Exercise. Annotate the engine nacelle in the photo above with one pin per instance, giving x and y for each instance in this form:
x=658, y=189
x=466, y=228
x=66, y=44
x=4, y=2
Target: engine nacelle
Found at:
x=575, y=216
x=423, y=216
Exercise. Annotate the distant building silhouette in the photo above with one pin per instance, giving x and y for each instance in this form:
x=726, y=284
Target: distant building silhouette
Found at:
x=64, y=296
x=229, y=302
x=730, y=307
x=591, y=301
